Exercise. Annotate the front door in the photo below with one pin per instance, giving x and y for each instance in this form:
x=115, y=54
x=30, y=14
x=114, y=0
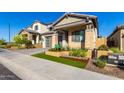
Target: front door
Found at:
x=60, y=40
x=48, y=41
x=34, y=38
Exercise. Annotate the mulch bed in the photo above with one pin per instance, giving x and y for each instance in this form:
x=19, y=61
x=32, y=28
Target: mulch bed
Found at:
x=108, y=70
x=77, y=59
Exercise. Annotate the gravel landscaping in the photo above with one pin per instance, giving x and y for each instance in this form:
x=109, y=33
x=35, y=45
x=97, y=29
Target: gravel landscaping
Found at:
x=5, y=74
x=108, y=70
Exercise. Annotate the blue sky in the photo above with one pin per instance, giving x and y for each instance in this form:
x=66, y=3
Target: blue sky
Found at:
x=18, y=20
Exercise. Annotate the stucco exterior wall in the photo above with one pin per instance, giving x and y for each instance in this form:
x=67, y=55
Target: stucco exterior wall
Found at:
x=29, y=36
x=101, y=41
x=90, y=37
x=42, y=28
x=72, y=44
x=88, y=43
x=122, y=40
x=54, y=39
x=122, y=44
x=117, y=39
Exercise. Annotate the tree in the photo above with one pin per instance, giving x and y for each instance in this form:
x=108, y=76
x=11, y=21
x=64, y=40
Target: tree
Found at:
x=20, y=39
x=2, y=41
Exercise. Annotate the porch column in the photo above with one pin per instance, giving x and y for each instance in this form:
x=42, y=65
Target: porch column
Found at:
x=90, y=37
x=37, y=39
x=43, y=42
x=64, y=42
x=33, y=42
x=54, y=39
x=30, y=37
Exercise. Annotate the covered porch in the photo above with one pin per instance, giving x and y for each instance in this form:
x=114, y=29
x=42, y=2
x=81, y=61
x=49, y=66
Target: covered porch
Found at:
x=76, y=31
x=73, y=35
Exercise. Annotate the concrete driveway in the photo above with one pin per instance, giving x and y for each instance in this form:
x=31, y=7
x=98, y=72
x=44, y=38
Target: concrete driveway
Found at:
x=30, y=68
x=5, y=74
x=31, y=51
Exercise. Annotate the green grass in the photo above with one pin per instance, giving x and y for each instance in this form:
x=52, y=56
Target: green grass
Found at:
x=115, y=50
x=3, y=46
x=61, y=60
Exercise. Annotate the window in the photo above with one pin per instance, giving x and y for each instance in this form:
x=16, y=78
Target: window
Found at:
x=78, y=36
x=36, y=27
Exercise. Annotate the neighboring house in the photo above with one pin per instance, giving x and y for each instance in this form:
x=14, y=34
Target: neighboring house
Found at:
x=34, y=32
x=71, y=30
x=116, y=39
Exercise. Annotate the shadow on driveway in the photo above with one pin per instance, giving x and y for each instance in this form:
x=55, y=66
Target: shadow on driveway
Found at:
x=6, y=74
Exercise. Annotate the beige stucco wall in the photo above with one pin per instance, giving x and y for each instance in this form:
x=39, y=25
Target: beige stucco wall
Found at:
x=101, y=41
x=116, y=38
x=54, y=39
x=29, y=36
x=71, y=43
x=122, y=44
x=89, y=39
x=42, y=28
x=122, y=40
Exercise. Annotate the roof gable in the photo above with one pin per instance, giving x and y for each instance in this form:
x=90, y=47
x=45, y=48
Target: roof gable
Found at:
x=68, y=19
x=72, y=17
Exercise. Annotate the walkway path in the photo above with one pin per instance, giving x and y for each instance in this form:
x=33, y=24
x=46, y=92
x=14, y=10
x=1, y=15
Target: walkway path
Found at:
x=27, y=67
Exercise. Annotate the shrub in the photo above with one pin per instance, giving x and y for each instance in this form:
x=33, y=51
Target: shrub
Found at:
x=78, y=52
x=58, y=46
x=3, y=46
x=103, y=47
x=8, y=46
x=100, y=63
x=13, y=44
x=68, y=48
x=28, y=44
x=20, y=39
x=83, y=53
x=2, y=41
x=74, y=52
x=115, y=50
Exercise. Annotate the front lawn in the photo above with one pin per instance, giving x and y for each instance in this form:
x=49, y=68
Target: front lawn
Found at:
x=61, y=60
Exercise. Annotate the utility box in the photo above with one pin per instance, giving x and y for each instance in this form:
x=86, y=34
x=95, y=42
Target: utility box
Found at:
x=115, y=58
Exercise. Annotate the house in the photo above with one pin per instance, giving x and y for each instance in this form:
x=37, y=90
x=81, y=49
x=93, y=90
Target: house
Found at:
x=116, y=39
x=71, y=30
x=34, y=32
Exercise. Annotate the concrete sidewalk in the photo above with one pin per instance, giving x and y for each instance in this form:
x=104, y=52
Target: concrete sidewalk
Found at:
x=31, y=68
x=31, y=51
